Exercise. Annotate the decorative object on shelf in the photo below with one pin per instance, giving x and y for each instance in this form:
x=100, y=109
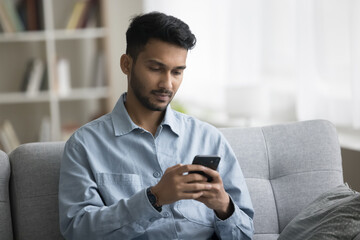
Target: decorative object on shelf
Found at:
x=63, y=78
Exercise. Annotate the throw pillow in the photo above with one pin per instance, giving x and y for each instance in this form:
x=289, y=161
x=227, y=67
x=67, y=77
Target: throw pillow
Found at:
x=333, y=215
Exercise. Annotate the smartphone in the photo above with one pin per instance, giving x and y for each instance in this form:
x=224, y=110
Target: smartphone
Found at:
x=209, y=161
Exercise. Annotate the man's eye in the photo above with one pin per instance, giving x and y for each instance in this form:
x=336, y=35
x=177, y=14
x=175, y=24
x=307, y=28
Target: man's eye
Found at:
x=154, y=69
x=177, y=72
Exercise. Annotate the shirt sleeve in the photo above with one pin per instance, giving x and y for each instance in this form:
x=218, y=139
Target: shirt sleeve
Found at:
x=240, y=224
x=82, y=212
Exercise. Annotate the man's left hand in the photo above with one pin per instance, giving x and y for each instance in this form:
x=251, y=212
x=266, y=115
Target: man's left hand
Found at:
x=217, y=198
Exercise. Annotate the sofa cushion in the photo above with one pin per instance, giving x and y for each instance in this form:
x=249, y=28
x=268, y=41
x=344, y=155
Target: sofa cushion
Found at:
x=5, y=213
x=333, y=215
x=34, y=190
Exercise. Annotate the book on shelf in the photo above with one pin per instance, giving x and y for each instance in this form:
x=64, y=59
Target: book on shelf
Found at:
x=5, y=20
x=8, y=137
x=84, y=13
x=35, y=77
x=21, y=15
x=11, y=9
x=63, y=77
x=31, y=13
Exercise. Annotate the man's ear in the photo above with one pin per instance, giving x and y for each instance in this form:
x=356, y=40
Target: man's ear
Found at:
x=126, y=64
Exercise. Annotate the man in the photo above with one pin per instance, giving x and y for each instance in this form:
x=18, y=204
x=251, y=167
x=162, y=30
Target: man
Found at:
x=125, y=175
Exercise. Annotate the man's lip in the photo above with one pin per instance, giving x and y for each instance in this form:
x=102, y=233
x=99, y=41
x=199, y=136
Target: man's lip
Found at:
x=162, y=96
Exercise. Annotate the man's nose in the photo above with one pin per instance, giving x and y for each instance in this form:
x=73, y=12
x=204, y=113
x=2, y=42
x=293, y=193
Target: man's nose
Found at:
x=166, y=80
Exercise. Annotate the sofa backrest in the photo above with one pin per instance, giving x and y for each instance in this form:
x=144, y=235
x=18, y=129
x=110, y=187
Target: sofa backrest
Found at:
x=34, y=188
x=286, y=167
x=5, y=214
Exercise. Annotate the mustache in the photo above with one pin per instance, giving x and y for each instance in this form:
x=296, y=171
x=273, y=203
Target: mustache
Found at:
x=162, y=91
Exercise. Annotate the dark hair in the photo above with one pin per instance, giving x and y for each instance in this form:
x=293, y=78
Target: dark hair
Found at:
x=156, y=25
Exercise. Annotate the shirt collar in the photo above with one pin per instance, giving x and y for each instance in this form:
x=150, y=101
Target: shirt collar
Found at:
x=123, y=124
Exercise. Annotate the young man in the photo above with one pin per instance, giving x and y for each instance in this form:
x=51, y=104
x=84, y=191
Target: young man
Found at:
x=125, y=175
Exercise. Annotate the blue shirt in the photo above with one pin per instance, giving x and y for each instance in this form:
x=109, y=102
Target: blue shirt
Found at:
x=108, y=164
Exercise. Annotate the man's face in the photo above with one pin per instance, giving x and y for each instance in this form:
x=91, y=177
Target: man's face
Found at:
x=157, y=74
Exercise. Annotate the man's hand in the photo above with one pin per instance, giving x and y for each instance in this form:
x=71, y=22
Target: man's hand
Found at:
x=174, y=185
x=216, y=197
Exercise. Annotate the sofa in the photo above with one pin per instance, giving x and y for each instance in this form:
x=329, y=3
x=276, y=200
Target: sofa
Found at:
x=286, y=167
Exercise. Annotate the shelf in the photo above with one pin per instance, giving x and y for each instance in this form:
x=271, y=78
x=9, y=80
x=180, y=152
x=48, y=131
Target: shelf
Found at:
x=80, y=33
x=56, y=35
x=20, y=97
x=83, y=72
x=86, y=93
x=74, y=94
x=23, y=36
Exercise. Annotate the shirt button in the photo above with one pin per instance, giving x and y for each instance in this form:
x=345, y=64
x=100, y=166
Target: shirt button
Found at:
x=166, y=215
x=157, y=174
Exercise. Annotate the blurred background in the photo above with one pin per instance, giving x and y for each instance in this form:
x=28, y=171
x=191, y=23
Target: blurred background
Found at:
x=256, y=63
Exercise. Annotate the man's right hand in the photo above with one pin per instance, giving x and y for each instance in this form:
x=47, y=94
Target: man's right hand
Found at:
x=176, y=185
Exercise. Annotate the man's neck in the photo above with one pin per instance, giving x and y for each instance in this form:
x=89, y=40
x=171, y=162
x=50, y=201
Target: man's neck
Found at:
x=143, y=117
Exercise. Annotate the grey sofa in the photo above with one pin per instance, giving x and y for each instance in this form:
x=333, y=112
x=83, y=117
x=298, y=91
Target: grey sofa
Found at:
x=286, y=167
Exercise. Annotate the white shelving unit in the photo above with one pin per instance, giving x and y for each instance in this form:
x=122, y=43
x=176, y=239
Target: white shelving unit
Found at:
x=80, y=47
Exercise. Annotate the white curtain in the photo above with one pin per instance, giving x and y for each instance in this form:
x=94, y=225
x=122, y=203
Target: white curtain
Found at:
x=328, y=53
x=272, y=59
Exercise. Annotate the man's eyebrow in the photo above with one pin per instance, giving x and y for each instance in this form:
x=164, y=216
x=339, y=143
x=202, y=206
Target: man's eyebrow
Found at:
x=152, y=61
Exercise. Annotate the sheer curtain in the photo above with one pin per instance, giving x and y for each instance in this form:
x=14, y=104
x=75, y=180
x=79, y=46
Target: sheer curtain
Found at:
x=328, y=53
x=271, y=59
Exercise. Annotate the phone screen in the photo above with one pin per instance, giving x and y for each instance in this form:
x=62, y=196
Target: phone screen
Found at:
x=209, y=161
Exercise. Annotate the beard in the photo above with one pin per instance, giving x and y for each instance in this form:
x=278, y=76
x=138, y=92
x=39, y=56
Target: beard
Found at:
x=144, y=98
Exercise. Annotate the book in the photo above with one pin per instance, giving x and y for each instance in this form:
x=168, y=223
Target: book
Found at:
x=5, y=19
x=26, y=76
x=75, y=16
x=35, y=77
x=44, y=81
x=89, y=14
x=4, y=141
x=13, y=15
x=62, y=83
x=32, y=15
x=8, y=137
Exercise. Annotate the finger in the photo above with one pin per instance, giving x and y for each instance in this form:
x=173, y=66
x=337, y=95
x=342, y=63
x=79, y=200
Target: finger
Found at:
x=173, y=168
x=191, y=167
x=196, y=187
x=194, y=177
x=192, y=195
x=212, y=173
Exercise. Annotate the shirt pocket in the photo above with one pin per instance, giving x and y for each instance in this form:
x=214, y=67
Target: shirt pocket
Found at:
x=116, y=186
x=196, y=212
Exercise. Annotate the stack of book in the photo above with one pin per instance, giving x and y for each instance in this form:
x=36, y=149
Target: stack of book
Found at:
x=21, y=15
